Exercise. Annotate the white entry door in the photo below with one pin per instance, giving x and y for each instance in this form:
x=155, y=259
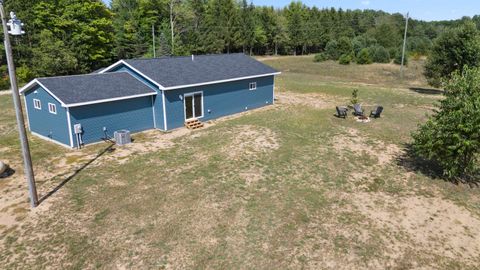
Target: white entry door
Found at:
x=193, y=103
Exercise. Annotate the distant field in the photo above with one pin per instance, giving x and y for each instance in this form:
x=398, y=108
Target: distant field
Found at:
x=285, y=187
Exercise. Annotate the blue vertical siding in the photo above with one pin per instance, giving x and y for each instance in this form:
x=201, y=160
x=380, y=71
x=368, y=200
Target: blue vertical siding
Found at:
x=220, y=99
x=42, y=122
x=158, y=100
x=131, y=114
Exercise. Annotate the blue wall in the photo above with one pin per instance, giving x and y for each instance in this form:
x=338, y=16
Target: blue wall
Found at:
x=132, y=114
x=53, y=126
x=158, y=100
x=220, y=99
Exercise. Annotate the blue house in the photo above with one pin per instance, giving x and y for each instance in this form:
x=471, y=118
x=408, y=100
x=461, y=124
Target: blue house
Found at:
x=141, y=94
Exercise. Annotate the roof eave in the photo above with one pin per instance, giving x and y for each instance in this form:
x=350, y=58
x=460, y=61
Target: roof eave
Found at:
x=71, y=105
x=221, y=81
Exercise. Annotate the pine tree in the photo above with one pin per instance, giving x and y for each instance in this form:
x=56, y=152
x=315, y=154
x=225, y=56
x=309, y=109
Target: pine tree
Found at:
x=295, y=24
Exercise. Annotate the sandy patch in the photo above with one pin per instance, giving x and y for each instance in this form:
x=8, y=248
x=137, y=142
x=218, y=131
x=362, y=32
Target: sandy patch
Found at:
x=316, y=101
x=249, y=141
x=352, y=143
x=152, y=140
x=252, y=176
x=435, y=225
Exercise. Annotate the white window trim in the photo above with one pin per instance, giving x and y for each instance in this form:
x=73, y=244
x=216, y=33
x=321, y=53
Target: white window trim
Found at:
x=50, y=106
x=185, y=107
x=37, y=104
x=252, y=86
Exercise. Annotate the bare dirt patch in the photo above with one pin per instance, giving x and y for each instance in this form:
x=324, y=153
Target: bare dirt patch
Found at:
x=252, y=176
x=249, y=141
x=152, y=140
x=435, y=225
x=352, y=143
x=316, y=101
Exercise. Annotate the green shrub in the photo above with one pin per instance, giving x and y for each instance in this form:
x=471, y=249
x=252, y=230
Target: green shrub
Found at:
x=24, y=74
x=398, y=58
x=332, y=50
x=354, y=99
x=393, y=52
x=345, y=59
x=364, y=57
x=320, y=57
x=380, y=54
x=345, y=46
x=451, y=136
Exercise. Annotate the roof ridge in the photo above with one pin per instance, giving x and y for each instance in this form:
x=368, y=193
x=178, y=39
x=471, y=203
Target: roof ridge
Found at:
x=184, y=56
x=82, y=75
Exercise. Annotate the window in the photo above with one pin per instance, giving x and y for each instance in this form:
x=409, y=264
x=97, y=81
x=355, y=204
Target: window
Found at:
x=37, y=104
x=52, y=108
x=253, y=86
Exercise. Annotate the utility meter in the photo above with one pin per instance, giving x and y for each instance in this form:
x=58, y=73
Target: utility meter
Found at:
x=77, y=128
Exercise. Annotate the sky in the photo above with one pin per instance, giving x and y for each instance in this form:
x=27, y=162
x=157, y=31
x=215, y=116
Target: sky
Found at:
x=429, y=10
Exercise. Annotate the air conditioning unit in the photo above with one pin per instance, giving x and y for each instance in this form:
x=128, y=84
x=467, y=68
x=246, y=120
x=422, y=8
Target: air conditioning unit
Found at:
x=122, y=137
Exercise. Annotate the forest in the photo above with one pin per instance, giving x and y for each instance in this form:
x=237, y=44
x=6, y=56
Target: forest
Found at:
x=80, y=36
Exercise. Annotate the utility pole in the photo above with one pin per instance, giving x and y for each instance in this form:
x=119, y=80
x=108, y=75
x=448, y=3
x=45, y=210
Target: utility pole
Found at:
x=16, y=29
x=153, y=38
x=404, y=45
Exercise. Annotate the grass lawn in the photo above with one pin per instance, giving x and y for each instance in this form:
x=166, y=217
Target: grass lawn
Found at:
x=287, y=186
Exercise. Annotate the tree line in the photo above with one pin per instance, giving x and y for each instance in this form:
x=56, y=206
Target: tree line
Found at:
x=79, y=36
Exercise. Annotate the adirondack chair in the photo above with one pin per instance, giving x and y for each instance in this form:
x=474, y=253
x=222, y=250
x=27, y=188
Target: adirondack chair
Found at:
x=357, y=110
x=377, y=112
x=342, y=112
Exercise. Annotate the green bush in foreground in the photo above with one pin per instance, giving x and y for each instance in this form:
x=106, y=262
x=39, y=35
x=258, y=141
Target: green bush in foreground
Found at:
x=451, y=137
x=345, y=59
x=320, y=57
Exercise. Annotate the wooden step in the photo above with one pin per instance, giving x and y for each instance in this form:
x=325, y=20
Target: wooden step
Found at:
x=194, y=124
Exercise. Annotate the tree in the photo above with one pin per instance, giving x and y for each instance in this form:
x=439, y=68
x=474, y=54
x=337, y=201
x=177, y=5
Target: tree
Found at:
x=164, y=48
x=364, y=57
x=387, y=34
x=247, y=26
x=87, y=28
x=332, y=50
x=295, y=24
x=52, y=57
x=380, y=54
x=345, y=46
x=129, y=41
x=221, y=24
x=451, y=137
x=452, y=51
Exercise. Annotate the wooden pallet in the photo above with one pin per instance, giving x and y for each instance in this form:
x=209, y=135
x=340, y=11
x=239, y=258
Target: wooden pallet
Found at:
x=194, y=124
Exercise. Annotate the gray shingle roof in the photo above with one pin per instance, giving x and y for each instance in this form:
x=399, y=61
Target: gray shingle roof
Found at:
x=177, y=71
x=95, y=87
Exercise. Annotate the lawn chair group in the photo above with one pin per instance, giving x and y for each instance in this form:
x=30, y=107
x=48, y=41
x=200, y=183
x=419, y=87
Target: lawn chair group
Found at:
x=342, y=112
